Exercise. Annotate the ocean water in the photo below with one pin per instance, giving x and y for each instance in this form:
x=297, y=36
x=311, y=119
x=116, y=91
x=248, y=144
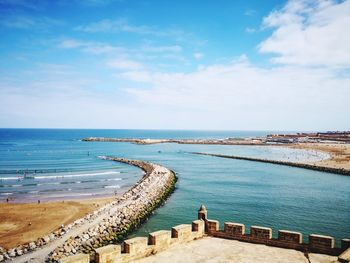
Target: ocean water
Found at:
x=57, y=165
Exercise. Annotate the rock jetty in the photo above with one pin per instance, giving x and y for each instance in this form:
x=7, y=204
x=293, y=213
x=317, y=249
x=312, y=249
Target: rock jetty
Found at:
x=227, y=141
x=109, y=224
x=320, y=168
x=125, y=214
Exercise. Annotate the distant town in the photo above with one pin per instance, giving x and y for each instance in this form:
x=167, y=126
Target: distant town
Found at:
x=312, y=137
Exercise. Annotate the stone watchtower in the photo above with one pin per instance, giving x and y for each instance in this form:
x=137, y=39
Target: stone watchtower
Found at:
x=202, y=213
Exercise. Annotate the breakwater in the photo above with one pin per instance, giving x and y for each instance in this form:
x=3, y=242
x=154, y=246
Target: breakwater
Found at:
x=340, y=171
x=132, y=209
x=229, y=141
x=109, y=224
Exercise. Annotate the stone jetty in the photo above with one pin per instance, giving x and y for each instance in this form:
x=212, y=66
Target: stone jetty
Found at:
x=227, y=141
x=320, y=168
x=109, y=224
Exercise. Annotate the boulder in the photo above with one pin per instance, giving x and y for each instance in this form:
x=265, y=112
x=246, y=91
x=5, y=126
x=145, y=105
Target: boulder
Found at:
x=11, y=253
x=67, y=249
x=46, y=239
x=32, y=245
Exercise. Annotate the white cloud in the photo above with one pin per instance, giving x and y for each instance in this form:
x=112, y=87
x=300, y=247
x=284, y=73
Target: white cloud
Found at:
x=71, y=43
x=250, y=12
x=137, y=76
x=119, y=25
x=161, y=49
x=125, y=64
x=310, y=33
x=198, y=55
x=90, y=47
x=242, y=95
x=123, y=25
x=250, y=30
x=28, y=22
x=236, y=95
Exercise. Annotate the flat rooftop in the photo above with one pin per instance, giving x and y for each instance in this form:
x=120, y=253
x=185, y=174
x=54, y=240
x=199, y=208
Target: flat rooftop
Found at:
x=210, y=249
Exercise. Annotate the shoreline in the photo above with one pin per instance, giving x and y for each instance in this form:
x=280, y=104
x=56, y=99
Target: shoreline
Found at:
x=339, y=154
x=77, y=198
x=100, y=227
x=21, y=223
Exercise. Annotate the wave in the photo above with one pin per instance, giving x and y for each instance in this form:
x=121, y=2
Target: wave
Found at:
x=77, y=175
x=11, y=178
x=117, y=186
x=6, y=193
x=48, y=183
x=60, y=176
x=114, y=179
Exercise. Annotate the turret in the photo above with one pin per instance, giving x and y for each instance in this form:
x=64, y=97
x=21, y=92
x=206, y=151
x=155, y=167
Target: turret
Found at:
x=202, y=213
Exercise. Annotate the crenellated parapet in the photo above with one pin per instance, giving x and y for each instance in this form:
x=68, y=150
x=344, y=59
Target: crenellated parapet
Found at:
x=140, y=247
x=263, y=235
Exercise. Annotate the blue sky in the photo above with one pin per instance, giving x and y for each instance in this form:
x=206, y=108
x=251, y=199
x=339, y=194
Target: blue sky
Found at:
x=246, y=65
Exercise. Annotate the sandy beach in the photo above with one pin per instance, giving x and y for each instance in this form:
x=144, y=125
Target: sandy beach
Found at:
x=24, y=222
x=339, y=154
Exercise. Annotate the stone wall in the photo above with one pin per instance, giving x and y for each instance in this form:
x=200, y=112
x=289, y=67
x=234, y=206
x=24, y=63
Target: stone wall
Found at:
x=140, y=247
x=285, y=239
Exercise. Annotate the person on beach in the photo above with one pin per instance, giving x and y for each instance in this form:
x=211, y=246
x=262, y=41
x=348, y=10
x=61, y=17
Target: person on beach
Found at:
x=39, y=201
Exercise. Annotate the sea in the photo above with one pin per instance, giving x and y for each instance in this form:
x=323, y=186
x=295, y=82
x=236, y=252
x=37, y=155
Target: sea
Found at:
x=55, y=164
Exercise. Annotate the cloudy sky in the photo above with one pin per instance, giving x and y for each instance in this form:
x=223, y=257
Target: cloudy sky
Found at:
x=164, y=64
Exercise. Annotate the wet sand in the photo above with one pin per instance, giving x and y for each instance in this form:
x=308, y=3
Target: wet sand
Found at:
x=21, y=223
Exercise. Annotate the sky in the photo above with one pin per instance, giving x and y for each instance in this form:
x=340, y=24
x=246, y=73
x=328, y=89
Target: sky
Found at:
x=186, y=64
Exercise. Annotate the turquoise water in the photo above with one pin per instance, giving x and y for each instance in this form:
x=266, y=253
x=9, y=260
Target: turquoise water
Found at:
x=59, y=166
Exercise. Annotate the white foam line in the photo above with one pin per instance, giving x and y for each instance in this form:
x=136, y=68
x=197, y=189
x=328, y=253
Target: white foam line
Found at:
x=112, y=186
x=11, y=178
x=114, y=179
x=76, y=175
x=61, y=176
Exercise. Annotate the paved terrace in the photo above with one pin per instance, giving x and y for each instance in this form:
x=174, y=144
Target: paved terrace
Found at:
x=210, y=249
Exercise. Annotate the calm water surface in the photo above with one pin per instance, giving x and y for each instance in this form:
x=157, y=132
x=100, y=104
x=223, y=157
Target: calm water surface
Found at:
x=58, y=165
